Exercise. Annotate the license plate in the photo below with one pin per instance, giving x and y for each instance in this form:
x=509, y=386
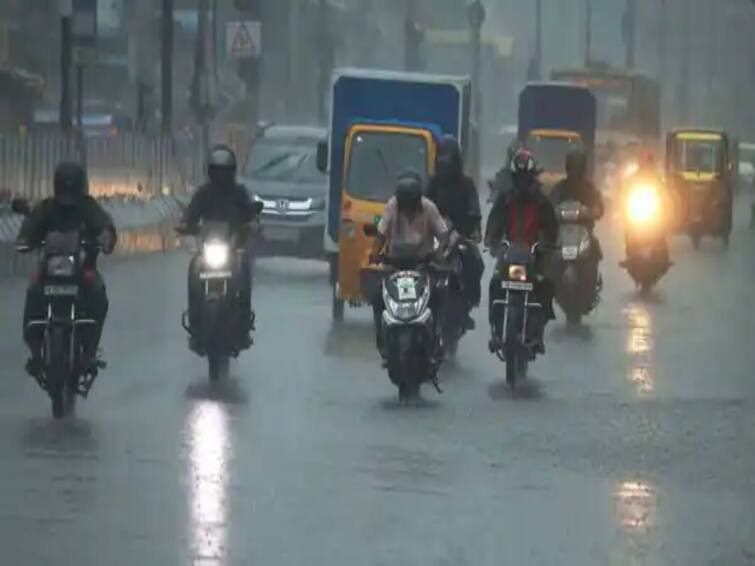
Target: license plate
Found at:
x=281, y=234
x=215, y=275
x=517, y=286
x=570, y=252
x=61, y=290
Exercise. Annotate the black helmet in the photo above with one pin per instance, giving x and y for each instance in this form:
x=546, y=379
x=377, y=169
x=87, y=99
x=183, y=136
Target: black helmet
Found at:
x=409, y=191
x=576, y=164
x=523, y=168
x=448, y=162
x=221, y=166
x=70, y=183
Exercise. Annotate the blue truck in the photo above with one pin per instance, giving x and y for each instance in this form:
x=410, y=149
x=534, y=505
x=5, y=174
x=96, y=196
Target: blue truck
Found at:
x=381, y=123
x=555, y=118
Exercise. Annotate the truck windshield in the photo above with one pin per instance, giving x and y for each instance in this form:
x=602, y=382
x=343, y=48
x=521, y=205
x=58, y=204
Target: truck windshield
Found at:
x=551, y=152
x=700, y=156
x=376, y=160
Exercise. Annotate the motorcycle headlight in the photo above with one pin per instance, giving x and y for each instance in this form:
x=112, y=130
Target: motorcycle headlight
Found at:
x=216, y=254
x=517, y=273
x=61, y=266
x=643, y=204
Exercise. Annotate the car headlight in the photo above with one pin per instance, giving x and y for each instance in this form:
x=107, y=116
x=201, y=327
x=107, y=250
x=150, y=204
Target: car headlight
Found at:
x=215, y=254
x=61, y=266
x=517, y=273
x=317, y=203
x=643, y=204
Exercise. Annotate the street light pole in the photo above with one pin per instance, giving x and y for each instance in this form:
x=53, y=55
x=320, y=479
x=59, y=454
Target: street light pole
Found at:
x=588, y=32
x=538, y=38
x=476, y=13
x=66, y=62
x=630, y=29
x=167, y=66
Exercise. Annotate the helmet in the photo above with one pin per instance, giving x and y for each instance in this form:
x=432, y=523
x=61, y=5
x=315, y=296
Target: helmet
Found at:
x=646, y=159
x=448, y=161
x=409, y=191
x=70, y=184
x=576, y=164
x=523, y=168
x=221, y=166
x=511, y=150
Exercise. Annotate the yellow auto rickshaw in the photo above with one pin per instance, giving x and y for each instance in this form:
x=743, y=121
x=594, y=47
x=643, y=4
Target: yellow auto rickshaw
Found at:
x=374, y=156
x=699, y=173
x=551, y=147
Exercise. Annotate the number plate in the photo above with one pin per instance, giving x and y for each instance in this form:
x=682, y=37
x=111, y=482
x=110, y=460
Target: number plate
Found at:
x=281, y=234
x=61, y=290
x=215, y=275
x=570, y=252
x=517, y=286
x=406, y=289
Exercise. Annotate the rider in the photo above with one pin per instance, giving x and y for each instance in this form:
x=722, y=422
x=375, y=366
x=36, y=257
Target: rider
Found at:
x=523, y=215
x=457, y=200
x=222, y=199
x=502, y=182
x=410, y=223
x=577, y=187
x=647, y=172
x=70, y=209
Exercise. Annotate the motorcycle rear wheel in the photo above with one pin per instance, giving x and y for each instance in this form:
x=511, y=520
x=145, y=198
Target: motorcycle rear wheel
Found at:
x=57, y=373
x=218, y=367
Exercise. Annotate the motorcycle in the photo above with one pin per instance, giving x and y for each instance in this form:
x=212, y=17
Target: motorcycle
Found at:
x=63, y=374
x=518, y=315
x=456, y=311
x=220, y=331
x=645, y=237
x=578, y=289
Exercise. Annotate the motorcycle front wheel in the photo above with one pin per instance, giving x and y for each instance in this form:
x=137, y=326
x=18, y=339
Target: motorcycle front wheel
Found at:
x=57, y=373
x=218, y=367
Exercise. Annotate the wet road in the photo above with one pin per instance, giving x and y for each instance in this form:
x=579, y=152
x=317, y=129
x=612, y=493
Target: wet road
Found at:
x=631, y=444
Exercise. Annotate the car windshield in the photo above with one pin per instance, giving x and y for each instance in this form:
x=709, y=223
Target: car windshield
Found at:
x=288, y=160
x=376, y=160
x=701, y=156
x=551, y=152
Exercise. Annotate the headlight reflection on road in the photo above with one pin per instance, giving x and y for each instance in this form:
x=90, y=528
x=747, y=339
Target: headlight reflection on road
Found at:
x=640, y=345
x=208, y=476
x=636, y=505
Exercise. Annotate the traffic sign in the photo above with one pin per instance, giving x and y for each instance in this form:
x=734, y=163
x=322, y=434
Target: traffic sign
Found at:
x=244, y=39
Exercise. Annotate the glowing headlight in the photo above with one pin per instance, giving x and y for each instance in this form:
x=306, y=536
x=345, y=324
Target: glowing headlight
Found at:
x=215, y=254
x=517, y=273
x=61, y=266
x=642, y=203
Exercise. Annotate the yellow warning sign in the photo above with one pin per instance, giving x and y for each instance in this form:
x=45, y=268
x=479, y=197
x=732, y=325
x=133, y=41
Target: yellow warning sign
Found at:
x=244, y=39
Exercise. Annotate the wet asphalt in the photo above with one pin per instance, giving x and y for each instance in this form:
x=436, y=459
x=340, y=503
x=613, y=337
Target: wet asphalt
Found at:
x=631, y=443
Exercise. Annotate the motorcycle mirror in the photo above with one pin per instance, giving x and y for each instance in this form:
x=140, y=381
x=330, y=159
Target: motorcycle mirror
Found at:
x=370, y=230
x=258, y=206
x=20, y=206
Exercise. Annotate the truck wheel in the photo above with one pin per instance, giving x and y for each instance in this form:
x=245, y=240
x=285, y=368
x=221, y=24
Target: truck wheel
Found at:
x=338, y=306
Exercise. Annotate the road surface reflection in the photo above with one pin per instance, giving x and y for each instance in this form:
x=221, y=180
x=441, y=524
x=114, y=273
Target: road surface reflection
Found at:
x=636, y=505
x=209, y=456
x=641, y=347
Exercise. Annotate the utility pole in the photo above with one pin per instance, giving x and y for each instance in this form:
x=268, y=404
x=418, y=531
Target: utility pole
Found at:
x=199, y=90
x=167, y=66
x=630, y=32
x=326, y=55
x=413, y=38
x=536, y=65
x=66, y=62
x=588, y=32
x=683, y=97
x=476, y=13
